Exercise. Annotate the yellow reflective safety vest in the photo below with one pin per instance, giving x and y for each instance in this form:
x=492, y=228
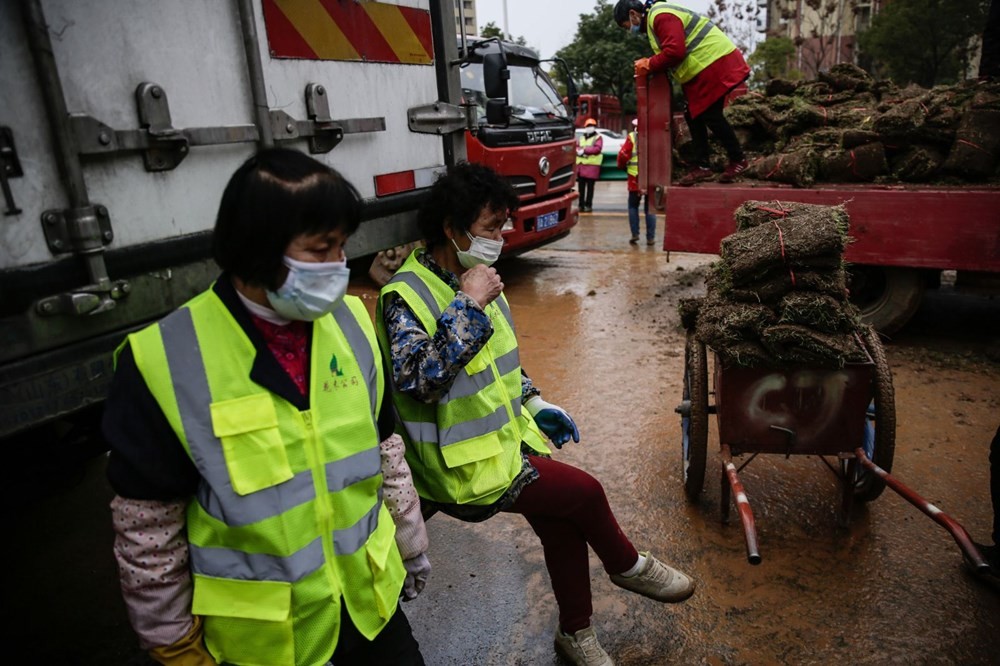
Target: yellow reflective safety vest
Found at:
x=465, y=448
x=632, y=168
x=288, y=521
x=586, y=142
x=703, y=41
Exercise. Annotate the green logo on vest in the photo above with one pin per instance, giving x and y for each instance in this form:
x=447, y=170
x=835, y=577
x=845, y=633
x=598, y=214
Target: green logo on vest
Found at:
x=334, y=369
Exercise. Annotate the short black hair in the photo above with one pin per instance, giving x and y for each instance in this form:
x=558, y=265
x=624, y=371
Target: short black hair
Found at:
x=275, y=196
x=459, y=196
x=623, y=7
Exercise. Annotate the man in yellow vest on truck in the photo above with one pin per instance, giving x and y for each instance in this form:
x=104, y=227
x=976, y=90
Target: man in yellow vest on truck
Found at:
x=700, y=57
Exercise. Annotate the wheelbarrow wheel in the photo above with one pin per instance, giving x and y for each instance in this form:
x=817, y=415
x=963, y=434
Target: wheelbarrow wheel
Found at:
x=882, y=419
x=694, y=424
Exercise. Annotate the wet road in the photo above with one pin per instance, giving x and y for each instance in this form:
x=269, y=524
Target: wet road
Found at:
x=600, y=336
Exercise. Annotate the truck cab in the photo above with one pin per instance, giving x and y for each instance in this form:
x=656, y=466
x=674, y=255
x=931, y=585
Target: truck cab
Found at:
x=534, y=149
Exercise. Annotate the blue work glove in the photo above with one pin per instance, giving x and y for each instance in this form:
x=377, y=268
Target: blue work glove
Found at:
x=553, y=421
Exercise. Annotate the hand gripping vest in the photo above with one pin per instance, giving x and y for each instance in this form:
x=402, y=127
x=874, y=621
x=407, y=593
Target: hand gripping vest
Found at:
x=288, y=517
x=703, y=41
x=632, y=168
x=594, y=159
x=466, y=448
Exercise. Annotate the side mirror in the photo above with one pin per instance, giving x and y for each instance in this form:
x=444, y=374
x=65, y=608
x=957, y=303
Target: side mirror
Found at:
x=497, y=112
x=572, y=93
x=495, y=75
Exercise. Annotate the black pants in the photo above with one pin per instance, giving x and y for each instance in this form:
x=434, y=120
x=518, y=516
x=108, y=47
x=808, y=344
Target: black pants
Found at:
x=394, y=645
x=586, y=192
x=713, y=119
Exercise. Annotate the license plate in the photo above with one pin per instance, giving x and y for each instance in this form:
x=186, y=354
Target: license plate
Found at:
x=547, y=220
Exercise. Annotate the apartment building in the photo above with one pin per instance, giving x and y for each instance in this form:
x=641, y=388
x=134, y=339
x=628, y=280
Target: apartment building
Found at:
x=823, y=30
x=466, y=9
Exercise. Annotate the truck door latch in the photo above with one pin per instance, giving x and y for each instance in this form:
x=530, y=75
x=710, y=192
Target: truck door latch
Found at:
x=322, y=131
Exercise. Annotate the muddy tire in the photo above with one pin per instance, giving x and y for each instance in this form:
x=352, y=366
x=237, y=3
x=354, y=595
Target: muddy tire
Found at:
x=887, y=296
x=694, y=425
x=882, y=418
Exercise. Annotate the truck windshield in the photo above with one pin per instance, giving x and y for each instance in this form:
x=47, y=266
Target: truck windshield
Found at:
x=532, y=95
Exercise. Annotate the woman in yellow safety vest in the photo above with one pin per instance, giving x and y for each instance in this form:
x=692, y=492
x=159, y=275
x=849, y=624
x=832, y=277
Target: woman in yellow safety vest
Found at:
x=252, y=454
x=705, y=62
x=473, y=421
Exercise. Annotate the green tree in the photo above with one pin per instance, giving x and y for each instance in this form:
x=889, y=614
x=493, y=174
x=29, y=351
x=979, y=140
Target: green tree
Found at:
x=601, y=56
x=491, y=29
x=924, y=41
x=770, y=60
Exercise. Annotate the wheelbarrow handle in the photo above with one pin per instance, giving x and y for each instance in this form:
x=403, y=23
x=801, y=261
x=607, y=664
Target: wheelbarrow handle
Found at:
x=962, y=538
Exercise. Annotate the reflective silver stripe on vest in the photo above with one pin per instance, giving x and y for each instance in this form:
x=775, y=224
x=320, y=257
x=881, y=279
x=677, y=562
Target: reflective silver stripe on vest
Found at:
x=413, y=281
x=422, y=431
x=350, y=470
x=502, y=304
x=215, y=493
x=474, y=428
x=363, y=353
x=689, y=28
x=466, y=384
x=229, y=563
x=700, y=36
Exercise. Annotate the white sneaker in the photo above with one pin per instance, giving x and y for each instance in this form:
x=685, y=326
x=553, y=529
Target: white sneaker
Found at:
x=657, y=581
x=582, y=648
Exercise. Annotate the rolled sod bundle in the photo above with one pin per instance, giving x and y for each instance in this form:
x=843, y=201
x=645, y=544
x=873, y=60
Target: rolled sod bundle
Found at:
x=854, y=165
x=778, y=295
x=977, y=144
x=794, y=344
x=796, y=168
x=809, y=239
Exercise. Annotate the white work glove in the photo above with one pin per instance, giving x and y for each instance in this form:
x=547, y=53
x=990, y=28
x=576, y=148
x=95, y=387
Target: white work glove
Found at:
x=553, y=421
x=579, y=151
x=417, y=570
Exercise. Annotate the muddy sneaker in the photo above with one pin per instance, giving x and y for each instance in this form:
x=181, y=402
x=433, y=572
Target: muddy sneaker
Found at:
x=582, y=648
x=634, y=240
x=650, y=241
x=657, y=581
x=733, y=169
x=695, y=175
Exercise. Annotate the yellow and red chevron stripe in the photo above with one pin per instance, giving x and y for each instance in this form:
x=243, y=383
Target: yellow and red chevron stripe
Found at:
x=348, y=30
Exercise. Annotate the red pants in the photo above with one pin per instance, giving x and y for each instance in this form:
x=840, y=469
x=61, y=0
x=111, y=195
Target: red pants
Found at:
x=568, y=510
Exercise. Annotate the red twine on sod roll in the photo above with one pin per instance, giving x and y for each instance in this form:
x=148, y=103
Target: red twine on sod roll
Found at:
x=969, y=143
x=775, y=169
x=781, y=241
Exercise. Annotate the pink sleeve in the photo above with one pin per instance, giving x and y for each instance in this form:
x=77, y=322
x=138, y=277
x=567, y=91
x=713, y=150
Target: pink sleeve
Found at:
x=594, y=148
x=151, y=548
x=401, y=499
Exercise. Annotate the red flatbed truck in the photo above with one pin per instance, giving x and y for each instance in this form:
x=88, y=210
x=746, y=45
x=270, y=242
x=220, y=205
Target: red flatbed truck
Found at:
x=904, y=235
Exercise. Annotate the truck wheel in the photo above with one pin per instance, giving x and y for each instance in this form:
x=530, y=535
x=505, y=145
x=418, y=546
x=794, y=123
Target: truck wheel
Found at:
x=886, y=295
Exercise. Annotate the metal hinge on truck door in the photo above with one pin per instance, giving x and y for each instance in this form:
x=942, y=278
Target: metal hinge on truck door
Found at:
x=163, y=146
x=84, y=232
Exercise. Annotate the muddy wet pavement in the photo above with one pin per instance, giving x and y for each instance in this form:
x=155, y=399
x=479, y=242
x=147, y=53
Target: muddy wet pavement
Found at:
x=600, y=335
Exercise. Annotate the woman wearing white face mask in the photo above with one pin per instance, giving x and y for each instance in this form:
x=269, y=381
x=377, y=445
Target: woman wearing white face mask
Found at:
x=473, y=421
x=252, y=453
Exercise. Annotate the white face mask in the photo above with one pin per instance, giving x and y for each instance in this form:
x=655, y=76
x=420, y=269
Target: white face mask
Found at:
x=482, y=251
x=311, y=289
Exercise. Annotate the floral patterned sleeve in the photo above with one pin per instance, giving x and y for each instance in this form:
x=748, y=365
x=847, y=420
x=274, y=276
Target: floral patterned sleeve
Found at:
x=423, y=366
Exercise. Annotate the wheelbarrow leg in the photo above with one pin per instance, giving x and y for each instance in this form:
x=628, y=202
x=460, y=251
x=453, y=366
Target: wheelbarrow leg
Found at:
x=847, y=500
x=742, y=505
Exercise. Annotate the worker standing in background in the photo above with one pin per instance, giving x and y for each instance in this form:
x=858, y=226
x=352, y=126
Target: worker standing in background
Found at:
x=628, y=159
x=588, y=163
x=705, y=62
